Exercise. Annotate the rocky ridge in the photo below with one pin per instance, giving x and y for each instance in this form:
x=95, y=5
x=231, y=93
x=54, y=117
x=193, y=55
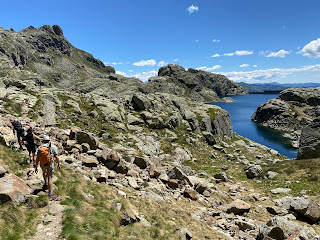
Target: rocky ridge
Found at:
x=43, y=56
x=199, y=85
x=294, y=109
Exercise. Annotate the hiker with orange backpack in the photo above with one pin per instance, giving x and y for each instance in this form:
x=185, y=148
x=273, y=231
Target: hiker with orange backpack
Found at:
x=47, y=154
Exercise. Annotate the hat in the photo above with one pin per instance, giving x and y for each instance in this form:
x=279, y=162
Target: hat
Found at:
x=46, y=138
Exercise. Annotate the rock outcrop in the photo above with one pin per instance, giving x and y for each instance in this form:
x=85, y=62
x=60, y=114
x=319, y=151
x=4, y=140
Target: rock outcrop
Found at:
x=199, y=85
x=309, y=146
x=294, y=109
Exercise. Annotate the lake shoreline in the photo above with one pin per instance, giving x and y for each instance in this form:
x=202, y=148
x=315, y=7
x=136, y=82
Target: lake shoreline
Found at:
x=241, y=110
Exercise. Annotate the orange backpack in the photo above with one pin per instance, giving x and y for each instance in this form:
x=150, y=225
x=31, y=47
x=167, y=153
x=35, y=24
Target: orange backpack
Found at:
x=44, y=155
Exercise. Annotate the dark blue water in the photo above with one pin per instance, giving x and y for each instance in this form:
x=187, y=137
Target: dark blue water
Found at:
x=241, y=111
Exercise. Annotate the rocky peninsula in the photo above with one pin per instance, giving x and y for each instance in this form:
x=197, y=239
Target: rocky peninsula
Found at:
x=291, y=111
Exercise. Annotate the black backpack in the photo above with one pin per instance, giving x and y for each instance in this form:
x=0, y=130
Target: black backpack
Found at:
x=18, y=126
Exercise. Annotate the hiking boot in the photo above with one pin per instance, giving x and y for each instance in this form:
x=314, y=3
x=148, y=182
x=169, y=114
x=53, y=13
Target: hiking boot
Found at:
x=52, y=196
x=45, y=187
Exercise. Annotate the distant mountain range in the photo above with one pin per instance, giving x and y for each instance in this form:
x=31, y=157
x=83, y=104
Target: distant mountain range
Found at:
x=274, y=86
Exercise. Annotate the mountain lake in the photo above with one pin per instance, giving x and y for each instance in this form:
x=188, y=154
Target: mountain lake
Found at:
x=241, y=111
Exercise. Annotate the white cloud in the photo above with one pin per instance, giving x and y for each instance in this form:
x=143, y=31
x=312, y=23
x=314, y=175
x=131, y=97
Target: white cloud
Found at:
x=176, y=60
x=130, y=70
x=144, y=76
x=242, y=53
x=162, y=63
x=113, y=63
x=215, y=40
x=121, y=73
x=228, y=54
x=312, y=49
x=244, y=65
x=281, y=54
x=238, y=53
x=268, y=74
x=144, y=63
x=255, y=66
x=192, y=9
x=215, y=55
x=209, y=69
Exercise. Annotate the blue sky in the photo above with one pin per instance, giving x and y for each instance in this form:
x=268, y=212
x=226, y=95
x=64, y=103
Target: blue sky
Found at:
x=251, y=41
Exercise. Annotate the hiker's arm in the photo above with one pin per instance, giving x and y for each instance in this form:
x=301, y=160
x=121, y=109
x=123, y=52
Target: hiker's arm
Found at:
x=57, y=160
x=36, y=137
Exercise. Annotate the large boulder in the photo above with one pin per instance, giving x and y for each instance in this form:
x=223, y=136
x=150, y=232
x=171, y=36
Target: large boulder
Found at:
x=309, y=146
x=238, y=207
x=89, y=161
x=253, y=171
x=13, y=188
x=84, y=137
x=307, y=209
x=140, y=102
x=281, y=228
x=109, y=159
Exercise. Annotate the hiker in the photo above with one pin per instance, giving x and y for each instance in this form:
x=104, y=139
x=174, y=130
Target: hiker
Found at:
x=19, y=130
x=31, y=146
x=45, y=154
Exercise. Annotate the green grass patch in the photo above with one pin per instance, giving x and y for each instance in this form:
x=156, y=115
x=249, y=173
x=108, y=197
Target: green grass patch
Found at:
x=13, y=158
x=17, y=222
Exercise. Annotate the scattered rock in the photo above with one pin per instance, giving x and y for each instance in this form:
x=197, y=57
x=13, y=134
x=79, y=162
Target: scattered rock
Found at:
x=221, y=176
x=253, y=171
x=209, y=138
x=308, y=209
x=131, y=215
x=271, y=175
x=89, y=161
x=84, y=137
x=141, y=162
x=280, y=190
x=238, y=207
x=185, y=234
x=190, y=193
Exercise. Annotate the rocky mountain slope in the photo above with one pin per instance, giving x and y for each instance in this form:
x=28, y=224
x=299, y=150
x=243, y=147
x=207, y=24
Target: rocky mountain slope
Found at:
x=44, y=57
x=294, y=109
x=199, y=85
x=140, y=164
